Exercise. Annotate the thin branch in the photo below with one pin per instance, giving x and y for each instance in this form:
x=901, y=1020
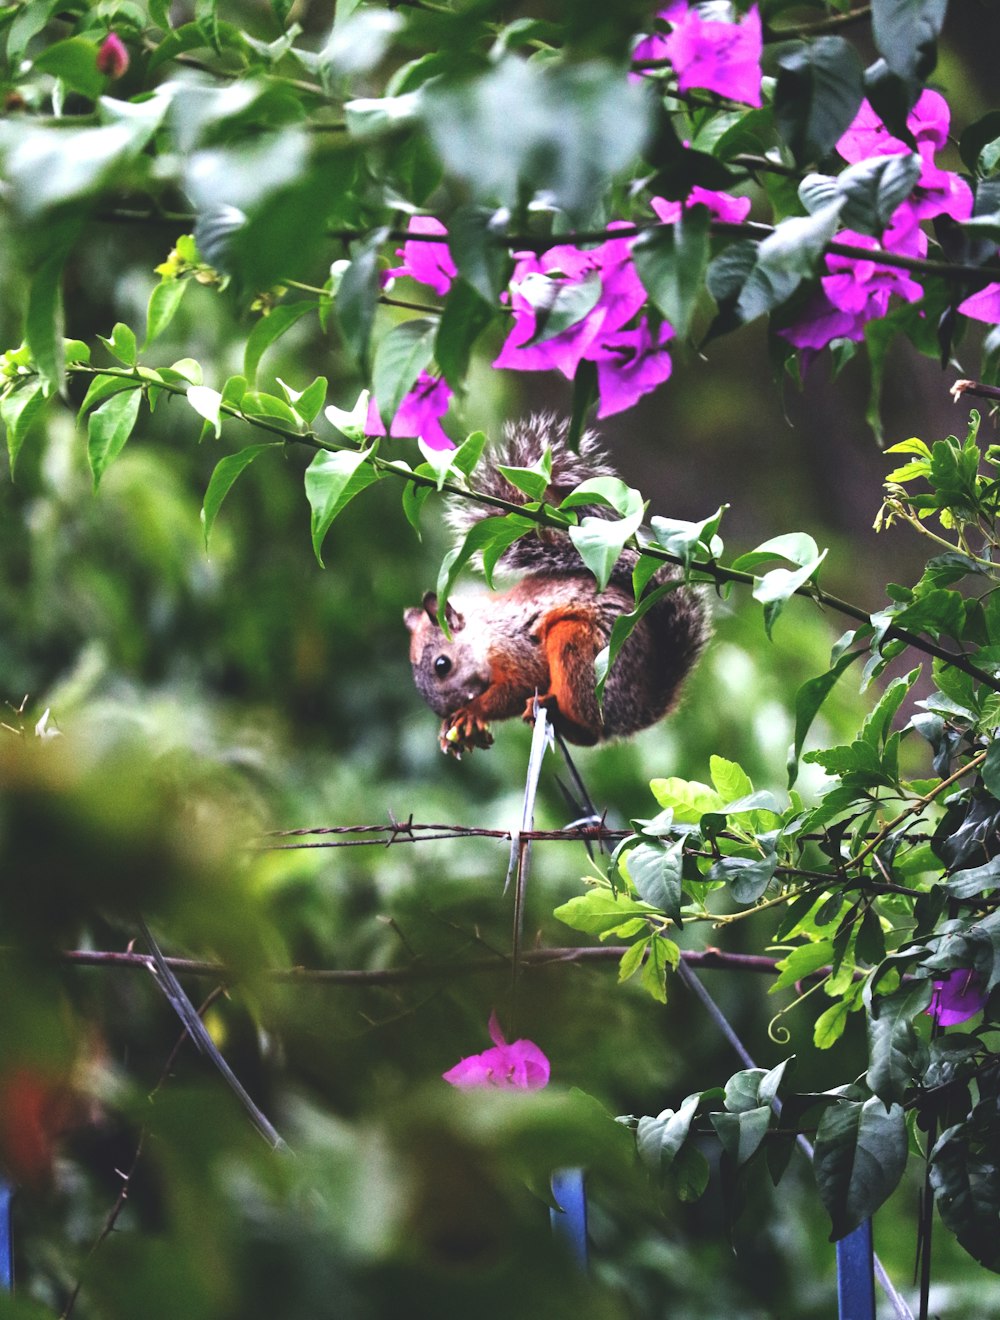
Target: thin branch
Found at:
x=114, y=1213
x=710, y=959
x=547, y=516
x=915, y=808
x=975, y=388
x=173, y=992
x=832, y=23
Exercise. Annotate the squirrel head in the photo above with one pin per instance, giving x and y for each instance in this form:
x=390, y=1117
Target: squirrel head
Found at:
x=448, y=673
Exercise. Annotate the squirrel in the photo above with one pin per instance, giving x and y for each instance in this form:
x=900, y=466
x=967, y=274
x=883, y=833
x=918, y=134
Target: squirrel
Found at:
x=538, y=640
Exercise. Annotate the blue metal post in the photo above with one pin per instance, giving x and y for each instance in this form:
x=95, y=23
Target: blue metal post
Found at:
x=856, y=1274
x=6, y=1237
x=569, y=1222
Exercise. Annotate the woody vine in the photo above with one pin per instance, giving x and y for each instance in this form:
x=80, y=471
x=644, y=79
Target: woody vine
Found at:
x=436, y=190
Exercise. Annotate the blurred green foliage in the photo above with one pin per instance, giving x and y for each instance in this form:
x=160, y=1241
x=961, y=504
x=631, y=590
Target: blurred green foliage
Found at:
x=203, y=700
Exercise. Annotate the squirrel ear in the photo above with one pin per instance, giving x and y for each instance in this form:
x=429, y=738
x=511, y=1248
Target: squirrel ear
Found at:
x=412, y=617
x=455, y=620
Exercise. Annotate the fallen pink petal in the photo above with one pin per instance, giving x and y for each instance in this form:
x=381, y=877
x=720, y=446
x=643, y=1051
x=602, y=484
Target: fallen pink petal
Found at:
x=520, y=1066
x=958, y=996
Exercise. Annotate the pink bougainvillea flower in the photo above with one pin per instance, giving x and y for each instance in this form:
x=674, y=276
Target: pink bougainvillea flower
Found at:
x=609, y=294
x=717, y=57
x=112, y=57
x=983, y=305
x=654, y=47
x=733, y=210
x=418, y=414
x=867, y=136
x=958, y=996
x=629, y=364
x=939, y=192
x=863, y=288
x=854, y=292
x=820, y=324
x=520, y=1066
x=427, y=263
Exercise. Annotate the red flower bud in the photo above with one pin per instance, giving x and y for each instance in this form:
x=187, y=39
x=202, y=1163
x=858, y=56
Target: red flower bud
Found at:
x=112, y=57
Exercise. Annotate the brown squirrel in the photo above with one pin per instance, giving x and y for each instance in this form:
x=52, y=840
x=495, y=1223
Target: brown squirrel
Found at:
x=540, y=638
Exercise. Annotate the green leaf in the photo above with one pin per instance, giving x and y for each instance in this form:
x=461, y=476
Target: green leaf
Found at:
x=224, y=477
x=655, y=871
x=731, y=781
x=975, y=880
x=829, y=1026
x=747, y=877
x=785, y=258
x=600, y=543
x=688, y=540
x=523, y=126
x=819, y=91
x=663, y=953
x=401, y=356
x=557, y=305
x=871, y=190
x=469, y=452
x=28, y=22
x=309, y=401
x=357, y=296
x=43, y=322
x=691, y=1173
x=802, y=962
x=482, y=261
x=688, y=799
x=108, y=428
x=207, y=403
x=659, y=1140
x=631, y=960
x=103, y=387
x=332, y=481
x=18, y=410
x=894, y=1048
x=164, y=301
x=490, y=535
x=808, y=700
x=533, y=481
x=622, y=629
x=906, y=33
x=742, y=1091
x=963, y=1175
x=671, y=262
x=991, y=768
x=600, y=912
x=859, y=1159
x=741, y=1134
x=268, y=330
x=464, y=318
x=75, y=62
x=774, y=589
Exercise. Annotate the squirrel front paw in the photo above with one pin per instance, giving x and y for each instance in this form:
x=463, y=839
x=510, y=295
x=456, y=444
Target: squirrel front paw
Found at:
x=463, y=732
x=548, y=701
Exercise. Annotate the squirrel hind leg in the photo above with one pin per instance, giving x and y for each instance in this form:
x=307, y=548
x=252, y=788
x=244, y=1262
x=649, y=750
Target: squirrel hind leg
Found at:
x=571, y=640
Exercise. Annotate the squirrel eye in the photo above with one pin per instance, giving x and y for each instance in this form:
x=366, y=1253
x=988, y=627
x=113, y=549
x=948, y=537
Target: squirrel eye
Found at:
x=442, y=666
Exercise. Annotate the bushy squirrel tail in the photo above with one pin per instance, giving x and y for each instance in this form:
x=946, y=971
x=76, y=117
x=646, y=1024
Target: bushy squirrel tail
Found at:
x=523, y=445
